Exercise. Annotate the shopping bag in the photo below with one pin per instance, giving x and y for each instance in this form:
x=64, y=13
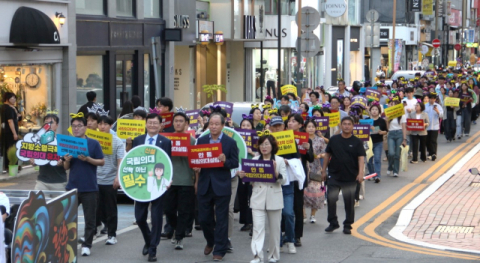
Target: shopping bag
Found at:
x=404, y=158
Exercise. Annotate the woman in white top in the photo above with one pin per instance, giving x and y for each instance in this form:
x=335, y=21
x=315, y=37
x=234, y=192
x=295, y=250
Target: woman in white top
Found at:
x=397, y=135
x=267, y=202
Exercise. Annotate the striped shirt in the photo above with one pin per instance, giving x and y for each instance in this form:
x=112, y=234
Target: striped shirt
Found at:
x=106, y=173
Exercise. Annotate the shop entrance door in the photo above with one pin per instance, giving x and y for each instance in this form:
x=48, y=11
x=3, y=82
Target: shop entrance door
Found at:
x=124, y=68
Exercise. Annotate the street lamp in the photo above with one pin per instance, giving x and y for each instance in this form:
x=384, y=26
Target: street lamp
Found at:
x=61, y=18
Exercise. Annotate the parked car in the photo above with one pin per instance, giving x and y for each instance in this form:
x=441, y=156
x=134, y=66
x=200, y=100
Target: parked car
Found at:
x=239, y=108
x=407, y=74
x=333, y=89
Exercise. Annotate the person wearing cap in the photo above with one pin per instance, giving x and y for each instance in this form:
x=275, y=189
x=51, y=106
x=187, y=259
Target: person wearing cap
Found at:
x=435, y=113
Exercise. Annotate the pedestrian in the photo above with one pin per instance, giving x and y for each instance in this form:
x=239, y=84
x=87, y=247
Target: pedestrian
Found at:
x=180, y=197
x=151, y=236
x=345, y=159
x=377, y=131
x=244, y=191
x=435, y=113
x=397, y=136
x=9, y=125
x=449, y=119
x=91, y=99
x=126, y=109
x=165, y=105
x=214, y=189
x=267, y=201
x=83, y=177
x=419, y=137
x=466, y=96
x=458, y=121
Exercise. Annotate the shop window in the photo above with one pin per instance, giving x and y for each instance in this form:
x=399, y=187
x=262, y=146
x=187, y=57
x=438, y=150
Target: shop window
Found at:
x=151, y=8
x=125, y=8
x=89, y=78
x=90, y=7
x=288, y=7
x=270, y=75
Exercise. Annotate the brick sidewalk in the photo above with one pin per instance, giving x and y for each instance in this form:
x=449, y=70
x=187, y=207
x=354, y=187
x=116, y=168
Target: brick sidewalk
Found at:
x=451, y=216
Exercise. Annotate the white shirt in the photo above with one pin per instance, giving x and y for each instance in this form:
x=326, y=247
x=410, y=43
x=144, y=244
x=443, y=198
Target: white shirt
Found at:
x=394, y=125
x=147, y=139
x=410, y=104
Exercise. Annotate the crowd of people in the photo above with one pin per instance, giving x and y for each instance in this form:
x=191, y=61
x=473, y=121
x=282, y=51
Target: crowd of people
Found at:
x=333, y=160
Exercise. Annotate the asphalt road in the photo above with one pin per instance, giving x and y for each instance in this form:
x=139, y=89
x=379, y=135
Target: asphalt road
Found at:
x=318, y=246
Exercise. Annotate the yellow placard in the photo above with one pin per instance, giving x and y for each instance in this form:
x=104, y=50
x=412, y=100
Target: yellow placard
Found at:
x=333, y=118
x=451, y=102
x=394, y=111
x=70, y=130
x=289, y=89
x=130, y=128
x=105, y=140
x=285, y=141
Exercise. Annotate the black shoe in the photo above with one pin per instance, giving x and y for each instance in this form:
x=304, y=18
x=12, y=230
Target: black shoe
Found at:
x=229, y=247
x=165, y=235
x=298, y=242
x=198, y=227
x=246, y=227
x=152, y=258
x=188, y=234
x=145, y=250
x=377, y=180
x=104, y=231
x=434, y=157
x=331, y=227
x=251, y=232
x=347, y=231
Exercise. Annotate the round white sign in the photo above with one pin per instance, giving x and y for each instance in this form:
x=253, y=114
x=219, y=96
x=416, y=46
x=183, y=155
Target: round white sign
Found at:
x=335, y=8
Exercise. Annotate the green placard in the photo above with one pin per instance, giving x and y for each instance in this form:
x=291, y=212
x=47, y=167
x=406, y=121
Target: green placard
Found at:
x=145, y=173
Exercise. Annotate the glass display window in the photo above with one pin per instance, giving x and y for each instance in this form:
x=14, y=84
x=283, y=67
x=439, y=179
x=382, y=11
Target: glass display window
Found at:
x=89, y=78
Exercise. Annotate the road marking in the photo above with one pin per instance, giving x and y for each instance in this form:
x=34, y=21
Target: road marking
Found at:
x=369, y=230
x=7, y=184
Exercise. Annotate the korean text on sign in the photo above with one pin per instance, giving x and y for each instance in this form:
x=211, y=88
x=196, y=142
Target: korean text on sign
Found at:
x=452, y=102
x=286, y=142
x=130, y=128
x=394, y=111
x=258, y=171
x=250, y=137
x=373, y=94
x=334, y=119
x=105, y=140
x=227, y=106
x=362, y=132
x=301, y=138
x=167, y=119
x=71, y=145
x=205, y=156
x=180, y=143
x=415, y=125
x=322, y=124
x=39, y=151
x=193, y=117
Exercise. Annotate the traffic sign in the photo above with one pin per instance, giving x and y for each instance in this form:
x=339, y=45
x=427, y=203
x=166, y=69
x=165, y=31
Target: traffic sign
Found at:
x=458, y=47
x=310, y=18
x=372, y=16
x=436, y=43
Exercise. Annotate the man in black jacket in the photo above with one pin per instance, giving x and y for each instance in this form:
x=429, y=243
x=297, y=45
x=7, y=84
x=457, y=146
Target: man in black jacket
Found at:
x=92, y=98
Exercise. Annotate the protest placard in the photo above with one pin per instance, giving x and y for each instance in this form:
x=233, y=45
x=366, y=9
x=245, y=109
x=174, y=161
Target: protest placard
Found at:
x=394, y=111
x=250, y=137
x=362, y=132
x=205, y=155
x=300, y=139
x=105, y=140
x=242, y=147
x=130, y=128
x=452, y=102
x=373, y=94
x=322, y=124
x=289, y=89
x=258, y=171
x=285, y=141
x=71, y=145
x=40, y=146
x=415, y=125
x=333, y=119
x=227, y=106
x=366, y=122
x=167, y=119
x=180, y=143
x=360, y=101
x=193, y=117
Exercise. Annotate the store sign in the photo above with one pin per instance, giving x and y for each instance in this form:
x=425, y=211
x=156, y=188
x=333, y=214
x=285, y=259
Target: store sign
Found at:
x=455, y=18
x=181, y=21
x=415, y=5
x=427, y=7
x=335, y=8
x=271, y=28
x=126, y=34
x=384, y=33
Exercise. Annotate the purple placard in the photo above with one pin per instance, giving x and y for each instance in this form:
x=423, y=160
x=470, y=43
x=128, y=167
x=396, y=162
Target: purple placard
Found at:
x=362, y=132
x=227, y=106
x=258, y=171
x=250, y=137
x=359, y=100
x=373, y=94
x=193, y=116
x=322, y=124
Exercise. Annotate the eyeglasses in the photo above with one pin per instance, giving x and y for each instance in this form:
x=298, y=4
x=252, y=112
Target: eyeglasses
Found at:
x=77, y=126
x=265, y=145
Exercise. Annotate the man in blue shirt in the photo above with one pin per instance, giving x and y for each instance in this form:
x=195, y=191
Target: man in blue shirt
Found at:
x=83, y=177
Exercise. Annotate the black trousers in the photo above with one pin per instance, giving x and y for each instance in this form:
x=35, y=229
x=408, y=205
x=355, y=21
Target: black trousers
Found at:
x=179, y=204
x=151, y=237
x=271, y=85
x=298, y=209
x=450, y=125
x=213, y=216
x=348, y=193
x=432, y=142
x=244, y=192
x=416, y=139
x=89, y=204
x=107, y=208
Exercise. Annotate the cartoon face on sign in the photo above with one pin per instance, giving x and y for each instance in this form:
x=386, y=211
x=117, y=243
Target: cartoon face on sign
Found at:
x=40, y=146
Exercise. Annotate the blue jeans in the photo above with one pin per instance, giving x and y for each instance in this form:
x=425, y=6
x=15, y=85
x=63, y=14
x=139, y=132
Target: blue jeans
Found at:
x=288, y=214
x=459, y=125
x=375, y=163
x=395, y=139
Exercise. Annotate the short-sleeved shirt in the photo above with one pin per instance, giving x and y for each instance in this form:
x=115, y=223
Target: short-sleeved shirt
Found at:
x=344, y=153
x=106, y=173
x=183, y=175
x=83, y=175
x=380, y=125
x=9, y=113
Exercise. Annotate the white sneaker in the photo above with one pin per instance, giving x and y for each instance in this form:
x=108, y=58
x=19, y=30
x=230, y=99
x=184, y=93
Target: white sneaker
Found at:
x=360, y=197
x=389, y=172
x=272, y=260
x=312, y=219
x=291, y=248
x=179, y=245
x=174, y=241
x=85, y=251
x=111, y=241
x=256, y=260
x=395, y=175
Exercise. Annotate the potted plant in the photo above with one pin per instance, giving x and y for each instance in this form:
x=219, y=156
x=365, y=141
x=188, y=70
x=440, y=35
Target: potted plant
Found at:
x=12, y=158
x=212, y=90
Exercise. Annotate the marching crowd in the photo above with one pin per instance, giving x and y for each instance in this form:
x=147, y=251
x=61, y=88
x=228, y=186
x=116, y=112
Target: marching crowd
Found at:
x=206, y=199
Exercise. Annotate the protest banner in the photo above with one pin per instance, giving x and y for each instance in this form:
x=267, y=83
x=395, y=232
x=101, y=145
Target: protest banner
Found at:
x=193, y=117
x=366, y=122
x=452, y=102
x=242, y=147
x=362, y=132
x=167, y=119
x=300, y=139
x=360, y=101
x=71, y=145
x=227, y=106
x=145, y=173
x=322, y=124
x=415, y=125
x=130, y=128
x=258, y=171
x=40, y=146
x=205, y=155
x=373, y=94
x=289, y=89
x=333, y=118
x=250, y=137
x=285, y=141
x=180, y=143
x=465, y=98
x=394, y=111
x=105, y=140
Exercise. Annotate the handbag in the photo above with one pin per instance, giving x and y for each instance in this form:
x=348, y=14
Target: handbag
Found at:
x=315, y=177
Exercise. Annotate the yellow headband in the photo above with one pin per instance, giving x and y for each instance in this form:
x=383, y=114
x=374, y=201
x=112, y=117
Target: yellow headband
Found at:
x=265, y=133
x=78, y=115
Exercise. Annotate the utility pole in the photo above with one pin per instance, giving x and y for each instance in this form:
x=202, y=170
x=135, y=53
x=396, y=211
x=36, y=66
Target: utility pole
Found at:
x=435, y=62
x=279, y=45
x=299, y=48
x=393, y=35
x=464, y=20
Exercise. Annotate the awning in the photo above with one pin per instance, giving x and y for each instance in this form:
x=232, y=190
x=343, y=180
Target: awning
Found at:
x=31, y=26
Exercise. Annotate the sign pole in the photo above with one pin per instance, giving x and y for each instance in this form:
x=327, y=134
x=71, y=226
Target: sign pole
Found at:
x=299, y=48
x=279, y=45
x=393, y=35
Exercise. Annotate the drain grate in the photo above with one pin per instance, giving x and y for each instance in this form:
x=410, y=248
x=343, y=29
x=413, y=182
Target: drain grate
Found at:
x=475, y=184
x=454, y=229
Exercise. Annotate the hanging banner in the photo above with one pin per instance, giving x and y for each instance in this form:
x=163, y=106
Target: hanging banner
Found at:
x=167, y=119
x=145, y=173
x=130, y=128
x=394, y=111
x=398, y=54
x=286, y=142
x=41, y=146
x=415, y=125
x=300, y=139
x=322, y=124
x=451, y=102
x=334, y=118
x=258, y=171
x=205, y=156
x=71, y=145
x=105, y=140
x=427, y=7
x=193, y=117
x=180, y=143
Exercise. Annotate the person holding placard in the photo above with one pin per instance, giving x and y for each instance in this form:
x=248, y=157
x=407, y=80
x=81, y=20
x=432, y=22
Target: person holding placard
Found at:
x=449, y=118
x=83, y=177
x=419, y=137
x=397, y=136
x=165, y=105
x=435, y=113
x=267, y=202
x=335, y=107
x=466, y=96
x=377, y=130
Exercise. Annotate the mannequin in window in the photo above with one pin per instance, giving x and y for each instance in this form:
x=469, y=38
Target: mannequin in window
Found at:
x=271, y=76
